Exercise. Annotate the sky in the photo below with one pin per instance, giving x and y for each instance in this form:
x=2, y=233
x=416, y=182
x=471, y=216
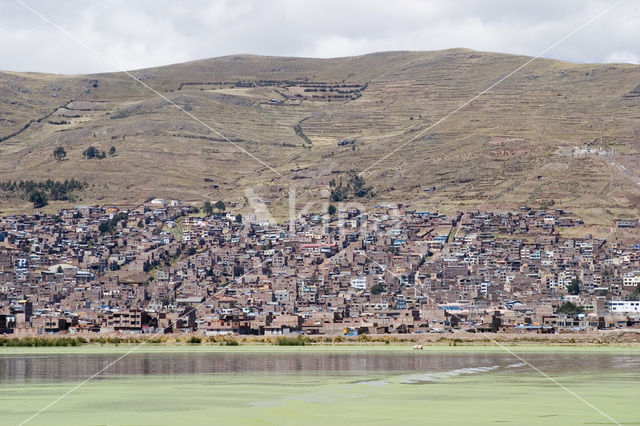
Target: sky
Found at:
x=136, y=34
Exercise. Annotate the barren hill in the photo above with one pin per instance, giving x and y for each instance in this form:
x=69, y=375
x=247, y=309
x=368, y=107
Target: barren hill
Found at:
x=544, y=136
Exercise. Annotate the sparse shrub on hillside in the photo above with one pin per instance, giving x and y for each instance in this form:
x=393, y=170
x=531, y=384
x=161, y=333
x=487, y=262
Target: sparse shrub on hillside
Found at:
x=298, y=129
x=207, y=208
x=347, y=141
x=59, y=153
x=38, y=198
x=93, y=152
x=353, y=187
x=40, y=192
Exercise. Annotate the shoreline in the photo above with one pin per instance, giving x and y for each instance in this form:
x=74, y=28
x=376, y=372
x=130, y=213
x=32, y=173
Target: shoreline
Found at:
x=459, y=341
x=312, y=349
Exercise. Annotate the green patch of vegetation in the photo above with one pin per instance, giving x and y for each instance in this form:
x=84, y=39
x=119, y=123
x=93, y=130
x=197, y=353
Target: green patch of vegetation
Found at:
x=347, y=141
x=194, y=340
x=377, y=289
x=570, y=308
x=229, y=342
x=352, y=187
x=59, y=153
x=298, y=129
x=40, y=192
x=574, y=287
x=298, y=340
x=42, y=341
x=93, y=152
x=111, y=224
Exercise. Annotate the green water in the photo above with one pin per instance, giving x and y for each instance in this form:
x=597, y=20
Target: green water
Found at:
x=303, y=386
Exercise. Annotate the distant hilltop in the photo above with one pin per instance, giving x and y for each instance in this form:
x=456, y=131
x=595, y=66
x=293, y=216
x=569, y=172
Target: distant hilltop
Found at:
x=242, y=127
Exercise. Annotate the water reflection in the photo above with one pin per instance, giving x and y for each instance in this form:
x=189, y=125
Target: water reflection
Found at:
x=64, y=367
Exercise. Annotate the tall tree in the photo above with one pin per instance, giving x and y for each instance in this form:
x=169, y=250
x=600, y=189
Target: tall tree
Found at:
x=38, y=198
x=59, y=153
x=207, y=208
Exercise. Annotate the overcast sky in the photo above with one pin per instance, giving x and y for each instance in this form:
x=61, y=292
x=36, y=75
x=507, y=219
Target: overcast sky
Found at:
x=137, y=34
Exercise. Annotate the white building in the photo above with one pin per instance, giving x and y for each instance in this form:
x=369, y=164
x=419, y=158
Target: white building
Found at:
x=631, y=279
x=359, y=283
x=624, y=307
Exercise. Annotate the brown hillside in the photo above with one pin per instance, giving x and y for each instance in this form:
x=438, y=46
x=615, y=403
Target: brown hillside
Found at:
x=514, y=145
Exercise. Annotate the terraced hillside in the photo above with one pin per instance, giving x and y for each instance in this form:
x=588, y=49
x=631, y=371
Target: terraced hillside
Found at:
x=544, y=136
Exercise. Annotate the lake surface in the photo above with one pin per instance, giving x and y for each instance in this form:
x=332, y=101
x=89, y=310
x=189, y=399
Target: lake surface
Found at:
x=272, y=385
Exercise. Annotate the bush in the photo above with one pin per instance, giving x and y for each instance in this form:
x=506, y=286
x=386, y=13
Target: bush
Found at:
x=93, y=152
x=59, y=153
x=55, y=190
x=353, y=187
x=298, y=340
x=569, y=309
x=574, y=287
x=363, y=338
x=42, y=341
x=112, y=223
x=38, y=198
x=195, y=340
x=377, y=289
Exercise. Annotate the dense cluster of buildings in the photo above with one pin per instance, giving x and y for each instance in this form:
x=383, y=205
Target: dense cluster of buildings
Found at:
x=164, y=268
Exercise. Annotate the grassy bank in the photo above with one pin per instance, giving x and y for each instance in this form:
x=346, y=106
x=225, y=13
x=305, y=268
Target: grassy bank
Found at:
x=460, y=339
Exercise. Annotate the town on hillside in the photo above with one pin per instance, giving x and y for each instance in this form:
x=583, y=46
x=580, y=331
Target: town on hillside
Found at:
x=168, y=268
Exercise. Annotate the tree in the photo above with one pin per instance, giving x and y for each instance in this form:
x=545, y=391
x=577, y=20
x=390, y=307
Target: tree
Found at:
x=93, y=152
x=59, y=153
x=112, y=151
x=569, y=309
x=574, y=287
x=38, y=198
x=238, y=218
x=207, y=208
x=331, y=210
x=377, y=289
x=219, y=205
x=354, y=187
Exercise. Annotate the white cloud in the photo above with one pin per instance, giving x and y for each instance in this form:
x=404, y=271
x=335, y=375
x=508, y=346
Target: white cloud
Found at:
x=156, y=32
x=623, y=56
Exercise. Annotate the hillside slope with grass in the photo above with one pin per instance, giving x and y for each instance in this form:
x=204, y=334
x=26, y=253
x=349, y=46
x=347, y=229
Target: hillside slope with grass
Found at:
x=552, y=134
